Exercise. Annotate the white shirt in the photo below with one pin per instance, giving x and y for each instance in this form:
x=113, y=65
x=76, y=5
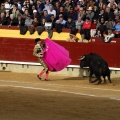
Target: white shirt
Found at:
x=52, y=12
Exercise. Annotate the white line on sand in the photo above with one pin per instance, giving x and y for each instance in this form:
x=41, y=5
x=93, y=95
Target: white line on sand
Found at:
x=58, y=85
x=77, y=93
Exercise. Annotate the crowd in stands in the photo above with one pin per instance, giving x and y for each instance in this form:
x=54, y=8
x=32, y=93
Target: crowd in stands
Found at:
x=93, y=18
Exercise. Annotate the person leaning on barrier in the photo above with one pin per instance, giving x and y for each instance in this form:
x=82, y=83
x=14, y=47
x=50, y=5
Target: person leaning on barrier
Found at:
x=72, y=38
x=108, y=36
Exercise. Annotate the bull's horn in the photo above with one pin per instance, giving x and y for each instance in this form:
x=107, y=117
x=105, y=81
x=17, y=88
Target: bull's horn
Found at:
x=82, y=57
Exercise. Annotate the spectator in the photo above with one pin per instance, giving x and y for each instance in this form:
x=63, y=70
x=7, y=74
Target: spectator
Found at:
x=104, y=6
x=45, y=15
x=28, y=4
x=57, y=7
x=96, y=10
x=108, y=37
x=18, y=13
x=86, y=27
x=24, y=8
x=78, y=6
x=33, y=7
x=25, y=14
x=90, y=4
x=70, y=23
x=102, y=15
x=111, y=3
x=72, y=14
x=7, y=5
x=109, y=15
x=41, y=28
x=39, y=6
x=35, y=22
x=2, y=8
x=101, y=25
x=61, y=2
x=72, y=38
x=81, y=13
x=52, y=20
x=117, y=17
x=35, y=15
x=28, y=21
x=110, y=24
x=20, y=22
x=29, y=24
x=79, y=23
x=98, y=34
x=12, y=21
x=3, y=19
x=62, y=12
x=90, y=13
x=60, y=23
x=13, y=10
x=51, y=11
x=47, y=5
x=101, y=3
x=67, y=6
x=93, y=27
x=83, y=38
x=117, y=29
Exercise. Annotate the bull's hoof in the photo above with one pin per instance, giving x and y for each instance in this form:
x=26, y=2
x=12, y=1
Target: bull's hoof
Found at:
x=90, y=80
x=99, y=82
x=112, y=84
x=94, y=81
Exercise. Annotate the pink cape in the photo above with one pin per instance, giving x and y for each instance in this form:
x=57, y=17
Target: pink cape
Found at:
x=55, y=56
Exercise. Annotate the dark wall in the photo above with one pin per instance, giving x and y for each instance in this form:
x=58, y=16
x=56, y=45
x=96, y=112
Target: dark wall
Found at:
x=14, y=49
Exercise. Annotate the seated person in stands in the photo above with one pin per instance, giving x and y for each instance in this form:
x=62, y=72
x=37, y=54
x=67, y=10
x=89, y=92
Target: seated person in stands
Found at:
x=79, y=23
x=101, y=25
x=70, y=23
x=52, y=20
x=51, y=11
x=45, y=15
x=60, y=23
x=3, y=19
x=83, y=38
x=72, y=14
x=98, y=33
x=13, y=21
x=86, y=27
x=108, y=36
x=110, y=24
x=93, y=27
x=117, y=29
x=72, y=38
x=29, y=23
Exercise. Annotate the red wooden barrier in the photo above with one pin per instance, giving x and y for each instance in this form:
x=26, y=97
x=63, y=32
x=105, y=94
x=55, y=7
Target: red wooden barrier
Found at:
x=13, y=49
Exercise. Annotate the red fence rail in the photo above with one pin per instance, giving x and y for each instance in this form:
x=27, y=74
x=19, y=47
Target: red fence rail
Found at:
x=14, y=49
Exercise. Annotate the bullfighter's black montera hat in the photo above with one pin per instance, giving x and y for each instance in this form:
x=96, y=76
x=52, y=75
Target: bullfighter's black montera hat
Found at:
x=37, y=39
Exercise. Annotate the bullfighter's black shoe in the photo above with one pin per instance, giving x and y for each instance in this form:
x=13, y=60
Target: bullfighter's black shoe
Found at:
x=39, y=77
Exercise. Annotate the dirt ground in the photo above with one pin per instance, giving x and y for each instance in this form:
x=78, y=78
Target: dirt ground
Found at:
x=24, y=97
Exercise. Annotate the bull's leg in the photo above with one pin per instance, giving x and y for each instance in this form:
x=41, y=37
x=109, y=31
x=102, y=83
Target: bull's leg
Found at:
x=104, y=79
x=90, y=77
x=98, y=78
x=109, y=79
x=99, y=81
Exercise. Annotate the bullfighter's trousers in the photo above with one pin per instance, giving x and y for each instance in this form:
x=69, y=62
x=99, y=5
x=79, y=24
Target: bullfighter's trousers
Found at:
x=43, y=64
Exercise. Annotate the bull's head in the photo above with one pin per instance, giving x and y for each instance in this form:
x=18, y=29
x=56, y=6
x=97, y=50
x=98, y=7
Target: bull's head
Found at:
x=84, y=61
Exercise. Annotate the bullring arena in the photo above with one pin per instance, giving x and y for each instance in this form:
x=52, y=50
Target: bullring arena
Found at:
x=67, y=95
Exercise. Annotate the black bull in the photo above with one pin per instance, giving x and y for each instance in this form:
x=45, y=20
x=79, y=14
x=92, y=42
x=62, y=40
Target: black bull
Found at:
x=97, y=66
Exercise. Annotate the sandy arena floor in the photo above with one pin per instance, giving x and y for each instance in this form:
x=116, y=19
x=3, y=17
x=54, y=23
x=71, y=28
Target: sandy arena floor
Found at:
x=24, y=97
